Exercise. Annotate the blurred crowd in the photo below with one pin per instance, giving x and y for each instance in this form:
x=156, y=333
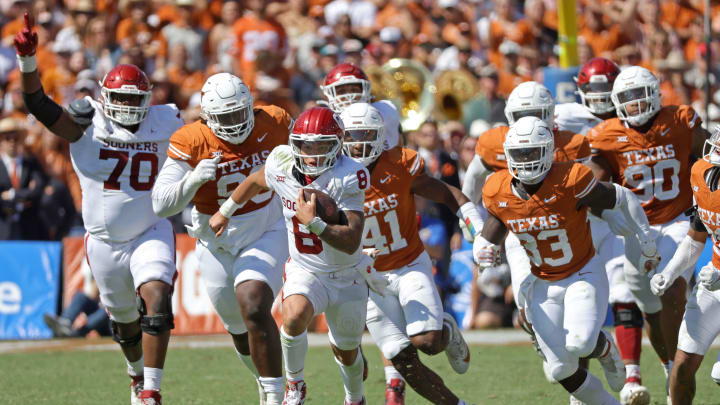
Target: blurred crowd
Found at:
x=283, y=49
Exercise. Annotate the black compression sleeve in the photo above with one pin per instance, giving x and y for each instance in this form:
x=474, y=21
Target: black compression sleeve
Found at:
x=695, y=222
x=42, y=107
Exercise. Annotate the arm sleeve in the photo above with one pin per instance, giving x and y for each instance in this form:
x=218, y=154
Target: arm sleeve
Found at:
x=687, y=253
x=169, y=195
x=695, y=222
x=474, y=179
x=629, y=205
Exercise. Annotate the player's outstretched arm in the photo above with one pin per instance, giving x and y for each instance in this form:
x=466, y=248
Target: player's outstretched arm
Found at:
x=687, y=253
x=53, y=116
x=343, y=237
x=253, y=185
x=600, y=167
x=458, y=202
x=474, y=179
x=178, y=182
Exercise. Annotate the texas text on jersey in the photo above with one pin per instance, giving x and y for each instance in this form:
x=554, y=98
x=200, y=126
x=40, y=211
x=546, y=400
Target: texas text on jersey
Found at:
x=655, y=165
x=117, y=170
x=390, y=222
x=345, y=182
x=554, y=233
x=708, y=208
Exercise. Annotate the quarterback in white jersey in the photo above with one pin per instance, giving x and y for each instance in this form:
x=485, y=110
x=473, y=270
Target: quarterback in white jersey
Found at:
x=242, y=270
x=326, y=268
x=117, y=147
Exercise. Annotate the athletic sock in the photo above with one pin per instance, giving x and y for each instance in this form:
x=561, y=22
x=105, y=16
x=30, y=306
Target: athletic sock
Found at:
x=591, y=391
x=294, y=350
x=633, y=373
x=629, y=341
x=391, y=373
x=247, y=360
x=135, y=368
x=272, y=384
x=352, y=378
x=153, y=378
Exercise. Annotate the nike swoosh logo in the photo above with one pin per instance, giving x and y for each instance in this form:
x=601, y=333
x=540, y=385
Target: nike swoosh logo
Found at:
x=663, y=133
x=260, y=138
x=582, y=274
x=385, y=180
x=547, y=200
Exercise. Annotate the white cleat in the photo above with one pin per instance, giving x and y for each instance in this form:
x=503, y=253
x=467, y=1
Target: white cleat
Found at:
x=575, y=401
x=457, y=350
x=634, y=394
x=613, y=365
x=715, y=373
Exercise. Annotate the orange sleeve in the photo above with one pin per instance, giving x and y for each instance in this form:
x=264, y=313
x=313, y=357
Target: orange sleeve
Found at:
x=583, y=180
x=583, y=152
x=180, y=147
x=688, y=116
x=490, y=189
x=412, y=162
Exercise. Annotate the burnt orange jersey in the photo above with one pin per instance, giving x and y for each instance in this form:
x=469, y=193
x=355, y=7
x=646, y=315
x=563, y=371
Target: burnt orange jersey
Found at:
x=655, y=165
x=555, y=234
x=390, y=222
x=568, y=147
x=708, y=205
x=195, y=142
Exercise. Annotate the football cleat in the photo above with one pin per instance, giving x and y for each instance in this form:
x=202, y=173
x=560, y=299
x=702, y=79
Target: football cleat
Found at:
x=136, y=388
x=613, y=365
x=634, y=394
x=457, y=350
x=715, y=373
x=150, y=397
x=360, y=402
x=295, y=392
x=395, y=392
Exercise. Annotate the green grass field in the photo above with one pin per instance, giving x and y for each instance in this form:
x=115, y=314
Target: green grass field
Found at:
x=497, y=375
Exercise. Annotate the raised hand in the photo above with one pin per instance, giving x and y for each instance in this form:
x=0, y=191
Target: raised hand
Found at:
x=26, y=41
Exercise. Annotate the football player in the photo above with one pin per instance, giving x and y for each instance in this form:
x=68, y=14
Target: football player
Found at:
x=346, y=84
x=545, y=205
x=410, y=315
x=326, y=270
x=648, y=149
x=242, y=270
x=701, y=323
x=594, y=83
x=117, y=145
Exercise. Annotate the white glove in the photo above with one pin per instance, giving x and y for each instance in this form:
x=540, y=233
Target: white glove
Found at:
x=205, y=171
x=617, y=223
x=465, y=231
x=709, y=276
x=659, y=284
x=375, y=281
x=649, y=258
x=485, y=254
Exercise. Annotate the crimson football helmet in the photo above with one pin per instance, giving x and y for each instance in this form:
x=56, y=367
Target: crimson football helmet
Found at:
x=125, y=93
x=338, y=94
x=595, y=83
x=316, y=140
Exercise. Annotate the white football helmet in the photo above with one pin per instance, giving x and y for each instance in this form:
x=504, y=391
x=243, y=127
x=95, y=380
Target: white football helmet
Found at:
x=634, y=87
x=529, y=147
x=227, y=107
x=711, y=149
x=530, y=99
x=364, y=132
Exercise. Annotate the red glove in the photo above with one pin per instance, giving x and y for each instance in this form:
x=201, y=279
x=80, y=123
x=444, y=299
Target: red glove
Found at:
x=26, y=41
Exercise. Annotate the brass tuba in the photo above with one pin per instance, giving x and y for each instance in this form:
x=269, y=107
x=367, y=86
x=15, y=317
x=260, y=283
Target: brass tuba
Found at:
x=454, y=88
x=413, y=91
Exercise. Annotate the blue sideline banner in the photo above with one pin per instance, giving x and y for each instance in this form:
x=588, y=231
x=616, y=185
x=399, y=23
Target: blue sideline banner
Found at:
x=29, y=287
x=561, y=83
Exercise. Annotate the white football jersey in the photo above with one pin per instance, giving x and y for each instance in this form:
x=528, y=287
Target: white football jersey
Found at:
x=575, y=118
x=117, y=170
x=345, y=182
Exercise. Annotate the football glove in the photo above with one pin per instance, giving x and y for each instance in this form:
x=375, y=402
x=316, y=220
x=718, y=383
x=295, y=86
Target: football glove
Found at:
x=709, y=277
x=205, y=171
x=374, y=280
x=485, y=254
x=659, y=284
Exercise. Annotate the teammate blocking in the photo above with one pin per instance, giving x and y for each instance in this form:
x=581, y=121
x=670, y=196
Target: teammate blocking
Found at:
x=409, y=316
x=242, y=269
x=117, y=145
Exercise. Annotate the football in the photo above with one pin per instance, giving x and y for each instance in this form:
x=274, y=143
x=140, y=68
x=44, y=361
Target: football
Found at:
x=325, y=206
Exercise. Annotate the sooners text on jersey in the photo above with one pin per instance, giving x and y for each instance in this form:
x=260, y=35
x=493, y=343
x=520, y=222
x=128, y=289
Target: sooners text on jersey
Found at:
x=555, y=235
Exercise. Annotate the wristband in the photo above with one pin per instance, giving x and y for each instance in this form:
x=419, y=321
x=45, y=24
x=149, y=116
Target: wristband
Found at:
x=317, y=226
x=470, y=215
x=228, y=208
x=27, y=64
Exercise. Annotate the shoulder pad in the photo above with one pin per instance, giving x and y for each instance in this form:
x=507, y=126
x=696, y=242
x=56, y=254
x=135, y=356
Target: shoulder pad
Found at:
x=81, y=112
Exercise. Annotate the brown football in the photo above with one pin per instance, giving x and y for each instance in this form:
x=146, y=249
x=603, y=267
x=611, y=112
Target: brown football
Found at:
x=325, y=206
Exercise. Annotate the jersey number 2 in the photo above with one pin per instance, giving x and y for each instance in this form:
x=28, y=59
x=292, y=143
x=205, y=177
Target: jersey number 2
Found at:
x=122, y=157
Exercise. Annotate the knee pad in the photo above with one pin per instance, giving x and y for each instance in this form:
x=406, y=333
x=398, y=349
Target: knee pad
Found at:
x=158, y=323
x=123, y=315
x=124, y=342
x=561, y=371
x=627, y=315
x=581, y=348
x=390, y=348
